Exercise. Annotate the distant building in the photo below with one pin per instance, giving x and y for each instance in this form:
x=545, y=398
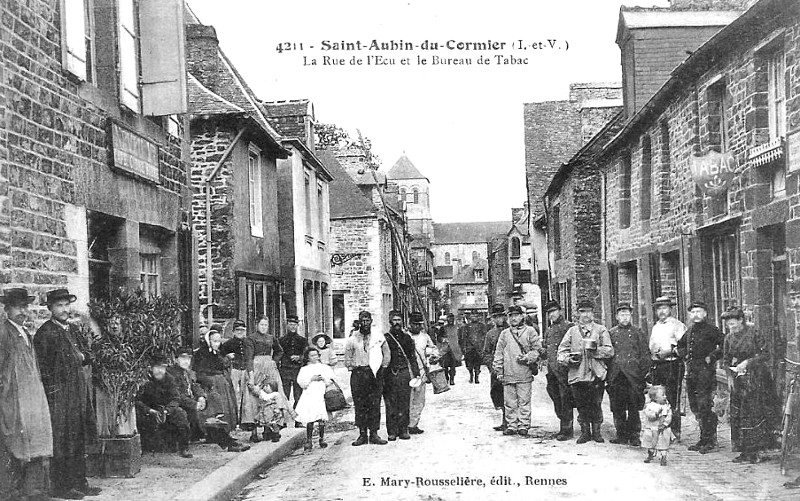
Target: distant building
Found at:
x=469, y=289
x=414, y=190
x=304, y=223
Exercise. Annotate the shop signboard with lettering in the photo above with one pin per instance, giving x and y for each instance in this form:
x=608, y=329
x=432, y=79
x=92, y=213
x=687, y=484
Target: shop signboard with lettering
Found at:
x=713, y=171
x=793, y=151
x=133, y=153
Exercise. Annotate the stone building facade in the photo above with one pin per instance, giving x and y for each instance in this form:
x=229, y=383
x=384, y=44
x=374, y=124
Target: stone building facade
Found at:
x=469, y=290
x=94, y=189
x=414, y=189
x=304, y=225
x=700, y=188
x=235, y=198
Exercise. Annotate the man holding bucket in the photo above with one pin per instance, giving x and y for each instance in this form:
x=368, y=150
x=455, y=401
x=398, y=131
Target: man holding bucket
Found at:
x=423, y=347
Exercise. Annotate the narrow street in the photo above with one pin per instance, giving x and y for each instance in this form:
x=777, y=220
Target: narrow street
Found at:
x=459, y=442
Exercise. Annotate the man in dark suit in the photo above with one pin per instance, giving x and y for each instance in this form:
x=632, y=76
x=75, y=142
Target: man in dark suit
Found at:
x=191, y=393
x=62, y=353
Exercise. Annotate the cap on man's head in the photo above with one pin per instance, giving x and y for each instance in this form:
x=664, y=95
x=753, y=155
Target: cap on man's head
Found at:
x=663, y=301
x=416, y=317
x=733, y=312
x=239, y=324
x=293, y=318
x=585, y=304
x=395, y=313
x=624, y=306
x=698, y=304
x=498, y=309
x=515, y=310
x=184, y=351
x=16, y=296
x=364, y=314
x=58, y=295
x=551, y=305
x=531, y=308
x=158, y=359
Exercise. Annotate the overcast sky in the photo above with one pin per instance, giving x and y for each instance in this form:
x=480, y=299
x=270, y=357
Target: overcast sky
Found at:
x=461, y=126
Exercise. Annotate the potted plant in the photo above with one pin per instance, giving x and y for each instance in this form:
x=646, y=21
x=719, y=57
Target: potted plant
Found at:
x=131, y=327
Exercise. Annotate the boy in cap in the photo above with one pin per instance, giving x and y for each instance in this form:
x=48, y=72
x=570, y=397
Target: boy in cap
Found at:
x=27, y=438
x=626, y=372
x=518, y=350
x=666, y=367
x=701, y=347
x=585, y=349
x=496, y=387
x=557, y=374
x=62, y=353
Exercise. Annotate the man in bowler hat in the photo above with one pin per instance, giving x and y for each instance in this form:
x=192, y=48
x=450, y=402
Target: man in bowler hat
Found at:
x=62, y=354
x=26, y=439
x=666, y=368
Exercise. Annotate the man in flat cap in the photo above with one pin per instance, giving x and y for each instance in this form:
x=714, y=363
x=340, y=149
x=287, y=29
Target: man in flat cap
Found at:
x=499, y=318
x=557, y=374
x=424, y=347
x=191, y=393
x=666, y=367
x=626, y=372
x=515, y=357
x=366, y=356
x=293, y=346
x=472, y=336
x=26, y=437
x=402, y=368
x=585, y=349
x=62, y=353
x=158, y=408
x=701, y=347
x=449, y=348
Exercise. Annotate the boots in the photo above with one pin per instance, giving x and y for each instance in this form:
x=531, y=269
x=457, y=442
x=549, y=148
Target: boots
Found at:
x=586, y=434
x=404, y=435
x=374, y=438
x=183, y=450
x=622, y=435
x=477, y=373
x=566, y=431
x=503, y=425
x=254, y=438
x=596, y=436
x=471, y=376
x=362, y=438
x=650, y=455
x=322, y=442
x=309, y=432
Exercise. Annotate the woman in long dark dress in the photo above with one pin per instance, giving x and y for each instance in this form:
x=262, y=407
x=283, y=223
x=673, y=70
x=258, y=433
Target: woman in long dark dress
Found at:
x=754, y=401
x=219, y=416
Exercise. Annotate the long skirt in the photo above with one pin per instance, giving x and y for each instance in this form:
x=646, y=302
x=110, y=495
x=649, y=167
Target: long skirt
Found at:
x=220, y=399
x=754, y=411
x=254, y=411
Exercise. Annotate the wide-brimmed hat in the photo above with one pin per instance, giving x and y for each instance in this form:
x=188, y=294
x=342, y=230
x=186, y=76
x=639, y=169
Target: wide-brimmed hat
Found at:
x=733, y=312
x=16, y=296
x=663, y=301
x=324, y=336
x=551, y=305
x=58, y=295
x=498, y=309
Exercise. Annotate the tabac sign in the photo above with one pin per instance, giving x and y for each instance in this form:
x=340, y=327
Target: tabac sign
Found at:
x=713, y=171
x=133, y=153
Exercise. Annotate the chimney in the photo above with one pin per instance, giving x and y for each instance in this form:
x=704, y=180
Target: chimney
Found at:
x=654, y=41
x=203, y=48
x=516, y=214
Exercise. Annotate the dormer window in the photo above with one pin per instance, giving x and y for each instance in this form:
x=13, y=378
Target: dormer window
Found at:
x=478, y=275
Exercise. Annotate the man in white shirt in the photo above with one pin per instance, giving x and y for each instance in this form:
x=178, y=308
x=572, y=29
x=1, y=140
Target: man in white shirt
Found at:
x=667, y=368
x=423, y=346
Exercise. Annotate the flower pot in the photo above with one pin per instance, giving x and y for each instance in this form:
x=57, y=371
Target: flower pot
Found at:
x=115, y=457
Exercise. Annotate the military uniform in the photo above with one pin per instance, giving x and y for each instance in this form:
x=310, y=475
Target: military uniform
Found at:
x=625, y=380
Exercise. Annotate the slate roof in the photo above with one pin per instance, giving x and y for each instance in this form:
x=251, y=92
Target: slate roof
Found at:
x=461, y=233
x=664, y=17
x=346, y=198
x=467, y=274
x=205, y=102
x=404, y=169
x=288, y=108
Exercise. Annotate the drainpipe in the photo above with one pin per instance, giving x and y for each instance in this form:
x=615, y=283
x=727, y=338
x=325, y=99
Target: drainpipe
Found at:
x=209, y=270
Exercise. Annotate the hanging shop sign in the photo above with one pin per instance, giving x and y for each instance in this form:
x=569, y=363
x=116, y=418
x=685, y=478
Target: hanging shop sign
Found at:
x=793, y=147
x=133, y=153
x=713, y=172
x=424, y=278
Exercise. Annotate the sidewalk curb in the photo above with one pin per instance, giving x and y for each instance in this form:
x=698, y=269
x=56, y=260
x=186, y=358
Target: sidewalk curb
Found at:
x=225, y=482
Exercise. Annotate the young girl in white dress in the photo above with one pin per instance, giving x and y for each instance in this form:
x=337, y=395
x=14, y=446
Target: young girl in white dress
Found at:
x=313, y=377
x=656, y=434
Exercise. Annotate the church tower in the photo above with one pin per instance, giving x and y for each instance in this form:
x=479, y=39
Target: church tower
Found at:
x=414, y=188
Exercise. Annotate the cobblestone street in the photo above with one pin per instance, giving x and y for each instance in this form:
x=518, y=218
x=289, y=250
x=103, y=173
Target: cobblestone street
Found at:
x=458, y=442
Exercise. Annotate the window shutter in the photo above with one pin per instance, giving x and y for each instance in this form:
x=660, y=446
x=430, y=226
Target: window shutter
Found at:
x=73, y=37
x=128, y=71
x=162, y=43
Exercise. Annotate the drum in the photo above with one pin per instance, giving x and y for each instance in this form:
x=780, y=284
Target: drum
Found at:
x=439, y=380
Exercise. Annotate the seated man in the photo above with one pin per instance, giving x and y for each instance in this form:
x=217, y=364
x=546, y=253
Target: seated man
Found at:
x=191, y=393
x=158, y=412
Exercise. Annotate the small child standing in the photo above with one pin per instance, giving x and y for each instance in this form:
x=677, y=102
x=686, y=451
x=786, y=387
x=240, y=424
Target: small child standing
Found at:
x=313, y=377
x=656, y=434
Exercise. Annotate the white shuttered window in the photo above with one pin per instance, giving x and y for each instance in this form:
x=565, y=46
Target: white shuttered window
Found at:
x=73, y=36
x=128, y=56
x=254, y=178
